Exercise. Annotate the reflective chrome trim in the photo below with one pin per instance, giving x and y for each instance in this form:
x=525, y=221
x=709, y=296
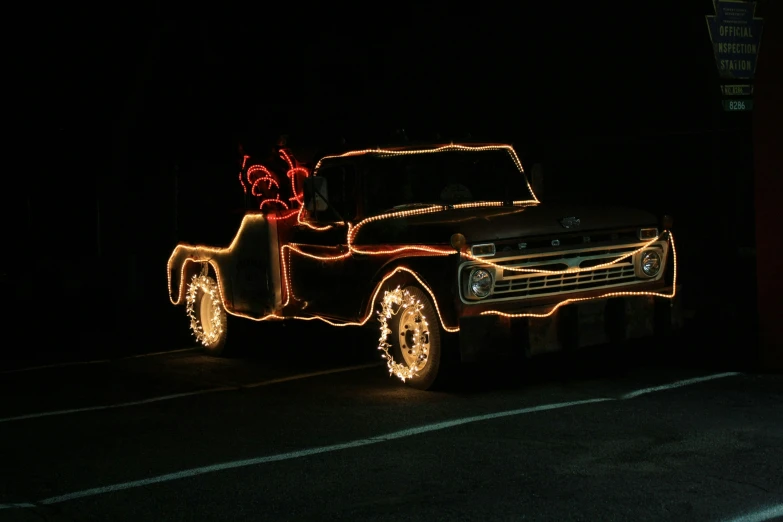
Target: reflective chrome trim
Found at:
x=483, y=245
x=518, y=286
x=642, y=237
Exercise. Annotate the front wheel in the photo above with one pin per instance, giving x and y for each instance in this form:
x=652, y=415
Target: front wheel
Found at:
x=411, y=337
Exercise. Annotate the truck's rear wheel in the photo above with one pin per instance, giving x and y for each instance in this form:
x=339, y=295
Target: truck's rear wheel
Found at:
x=411, y=337
x=208, y=318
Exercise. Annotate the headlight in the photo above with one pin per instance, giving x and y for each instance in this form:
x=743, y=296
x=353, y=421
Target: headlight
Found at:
x=480, y=282
x=651, y=263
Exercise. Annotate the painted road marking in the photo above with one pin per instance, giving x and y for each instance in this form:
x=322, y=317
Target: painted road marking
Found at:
x=396, y=435
x=678, y=384
x=165, y=352
x=306, y=452
x=770, y=513
x=58, y=365
x=98, y=361
x=187, y=394
x=118, y=405
x=312, y=374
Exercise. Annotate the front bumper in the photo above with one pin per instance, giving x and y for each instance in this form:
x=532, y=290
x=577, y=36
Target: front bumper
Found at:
x=575, y=325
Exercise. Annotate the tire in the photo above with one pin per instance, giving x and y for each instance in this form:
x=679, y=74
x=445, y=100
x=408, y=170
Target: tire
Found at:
x=419, y=365
x=208, y=317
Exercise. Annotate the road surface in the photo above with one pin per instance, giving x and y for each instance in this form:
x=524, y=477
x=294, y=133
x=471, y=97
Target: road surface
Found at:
x=322, y=432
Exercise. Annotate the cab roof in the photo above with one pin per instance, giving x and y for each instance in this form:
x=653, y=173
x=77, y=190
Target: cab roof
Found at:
x=421, y=148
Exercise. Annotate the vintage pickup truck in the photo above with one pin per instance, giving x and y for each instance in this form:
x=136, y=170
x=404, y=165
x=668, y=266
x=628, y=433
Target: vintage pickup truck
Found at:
x=444, y=248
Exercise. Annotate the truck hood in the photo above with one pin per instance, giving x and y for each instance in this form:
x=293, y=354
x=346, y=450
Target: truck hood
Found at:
x=500, y=223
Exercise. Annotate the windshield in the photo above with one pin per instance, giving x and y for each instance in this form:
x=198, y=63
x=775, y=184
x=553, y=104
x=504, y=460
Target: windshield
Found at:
x=444, y=178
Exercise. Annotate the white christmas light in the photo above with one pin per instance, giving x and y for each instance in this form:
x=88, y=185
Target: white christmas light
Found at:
x=395, y=300
x=212, y=335
x=393, y=303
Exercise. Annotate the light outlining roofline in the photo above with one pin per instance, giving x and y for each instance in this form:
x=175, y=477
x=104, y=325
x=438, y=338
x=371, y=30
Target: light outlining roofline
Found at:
x=442, y=148
x=435, y=208
x=207, y=253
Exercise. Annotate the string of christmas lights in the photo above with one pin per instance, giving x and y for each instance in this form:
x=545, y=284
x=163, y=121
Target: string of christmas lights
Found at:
x=570, y=270
x=210, y=335
x=205, y=254
x=444, y=148
x=257, y=175
x=602, y=296
x=241, y=170
x=401, y=301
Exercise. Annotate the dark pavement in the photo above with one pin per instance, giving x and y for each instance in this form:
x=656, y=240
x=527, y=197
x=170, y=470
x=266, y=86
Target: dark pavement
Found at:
x=528, y=442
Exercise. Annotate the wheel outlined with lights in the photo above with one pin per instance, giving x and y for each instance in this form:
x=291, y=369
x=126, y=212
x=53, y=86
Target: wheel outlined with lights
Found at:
x=410, y=336
x=207, y=315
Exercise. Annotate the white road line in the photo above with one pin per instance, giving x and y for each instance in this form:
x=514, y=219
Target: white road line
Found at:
x=410, y=432
x=678, y=384
x=186, y=394
x=58, y=365
x=112, y=406
x=98, y=361
x=313, y=374
x=770, y=513
x=17, y=505
x=306, y=452
x=165, y=352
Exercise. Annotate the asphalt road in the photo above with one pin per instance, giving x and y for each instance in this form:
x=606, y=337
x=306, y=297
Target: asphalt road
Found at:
x=322, y=432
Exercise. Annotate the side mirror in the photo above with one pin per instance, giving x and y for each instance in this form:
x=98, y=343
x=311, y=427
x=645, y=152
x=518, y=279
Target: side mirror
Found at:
x=315, y=194
x=537, y=180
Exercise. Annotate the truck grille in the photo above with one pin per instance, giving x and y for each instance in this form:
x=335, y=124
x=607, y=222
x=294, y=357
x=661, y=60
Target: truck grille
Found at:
x=520, y=285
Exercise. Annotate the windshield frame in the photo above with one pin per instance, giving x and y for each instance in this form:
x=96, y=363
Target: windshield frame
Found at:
x=502, y=161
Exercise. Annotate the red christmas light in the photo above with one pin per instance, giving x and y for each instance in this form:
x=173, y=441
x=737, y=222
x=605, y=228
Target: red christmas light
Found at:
x=242, y=181
x=293, y=173
x=265, y=184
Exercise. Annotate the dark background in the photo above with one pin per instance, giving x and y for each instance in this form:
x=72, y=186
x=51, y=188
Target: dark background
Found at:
x=619, y=103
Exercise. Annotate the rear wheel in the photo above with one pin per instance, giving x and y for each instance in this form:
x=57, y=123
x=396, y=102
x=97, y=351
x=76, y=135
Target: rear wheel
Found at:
x=411, y=337
x=208, y=318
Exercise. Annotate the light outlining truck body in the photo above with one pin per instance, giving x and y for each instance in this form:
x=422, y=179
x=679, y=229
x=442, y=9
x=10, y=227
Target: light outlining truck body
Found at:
x=446, y=249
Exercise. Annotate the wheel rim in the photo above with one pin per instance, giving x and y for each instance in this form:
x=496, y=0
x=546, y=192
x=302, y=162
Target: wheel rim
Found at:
x=414, y=338
x=205, y=311
x=206, y=315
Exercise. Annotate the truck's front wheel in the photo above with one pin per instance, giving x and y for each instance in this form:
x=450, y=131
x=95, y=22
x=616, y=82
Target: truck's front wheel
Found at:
x=208, y=318
x=411, y=336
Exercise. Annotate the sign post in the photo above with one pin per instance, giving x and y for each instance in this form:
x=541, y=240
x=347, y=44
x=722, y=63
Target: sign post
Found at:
x=735, y=33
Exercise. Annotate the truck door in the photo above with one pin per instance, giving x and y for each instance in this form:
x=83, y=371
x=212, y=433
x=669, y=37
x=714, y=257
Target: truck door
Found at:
x=320, y=266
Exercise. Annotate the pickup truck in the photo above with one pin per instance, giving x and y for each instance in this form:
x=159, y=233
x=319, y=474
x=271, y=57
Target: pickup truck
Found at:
x=444, y=248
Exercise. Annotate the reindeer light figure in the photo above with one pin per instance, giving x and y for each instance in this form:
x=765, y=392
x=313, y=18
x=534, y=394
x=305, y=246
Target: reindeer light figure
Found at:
x=266, y=185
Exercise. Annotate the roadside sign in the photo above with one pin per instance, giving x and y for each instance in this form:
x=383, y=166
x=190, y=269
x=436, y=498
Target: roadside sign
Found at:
x=736, y=35
x=736, y=90
x=738, y=104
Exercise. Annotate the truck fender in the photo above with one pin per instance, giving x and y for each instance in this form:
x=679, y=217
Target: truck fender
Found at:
x=424, y=271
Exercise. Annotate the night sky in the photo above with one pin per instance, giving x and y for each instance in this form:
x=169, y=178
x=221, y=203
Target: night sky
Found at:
x=534, y=72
